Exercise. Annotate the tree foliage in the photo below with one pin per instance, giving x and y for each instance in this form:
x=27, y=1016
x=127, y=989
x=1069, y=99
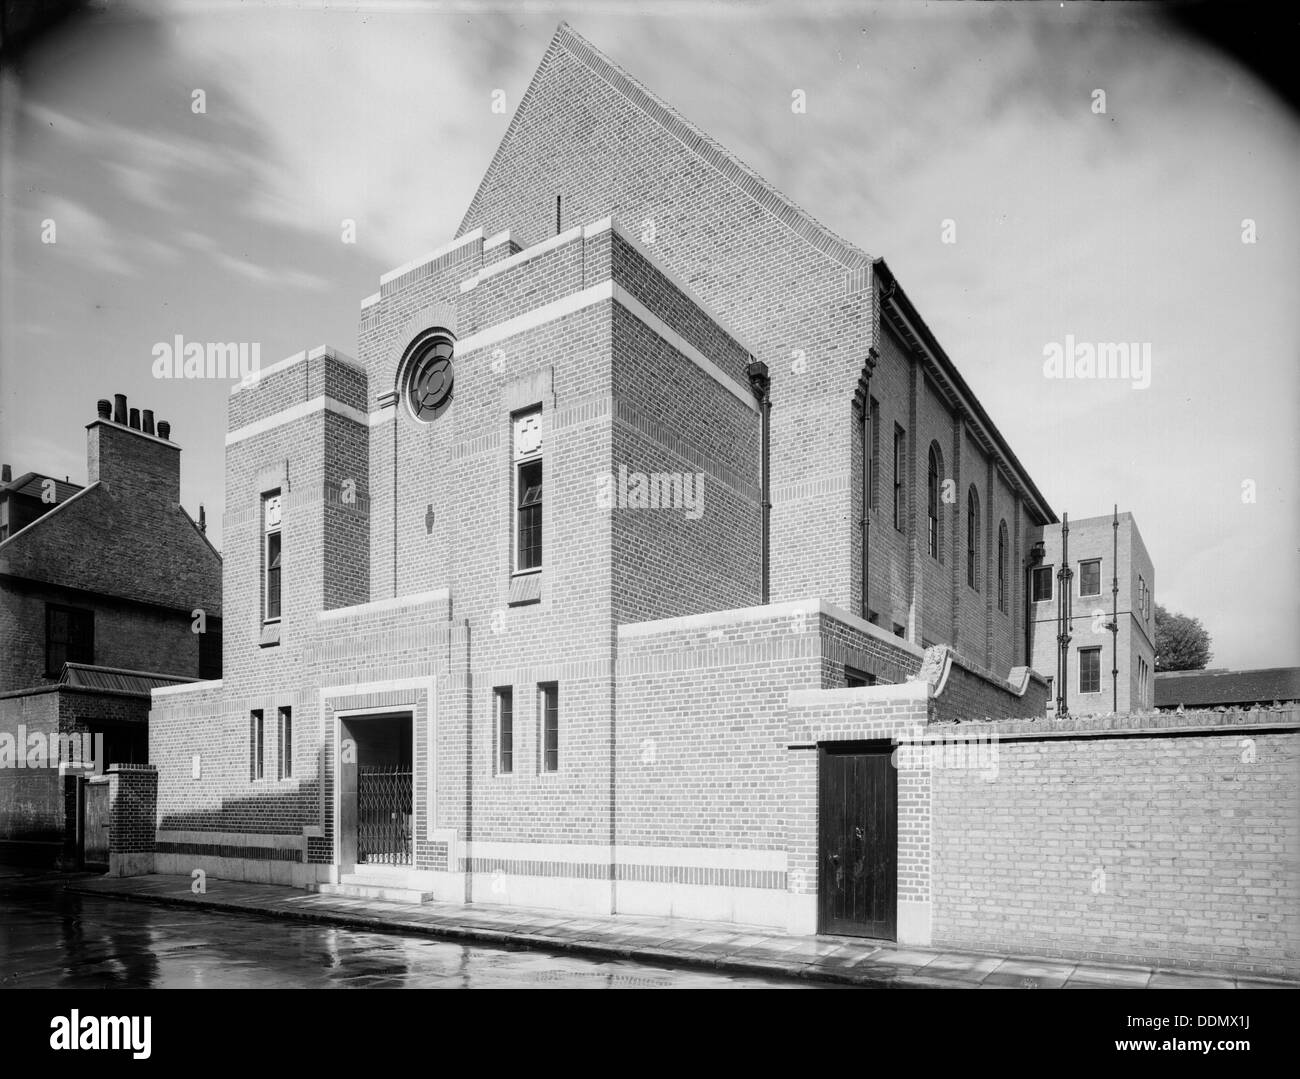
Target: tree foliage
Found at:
x=1182, y=643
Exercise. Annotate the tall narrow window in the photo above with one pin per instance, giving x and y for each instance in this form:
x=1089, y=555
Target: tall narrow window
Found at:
x=285, y=739
x=972, y=532
x=256, y=743
x=271, y=557
x=1089, y=670
x=874, y=477
x=1090, y=577
x=900, y=451
x=548, y=706
x=528, y=491
x=1002, y=567
x=504, y=703
x=69, y=637
x=932, y=499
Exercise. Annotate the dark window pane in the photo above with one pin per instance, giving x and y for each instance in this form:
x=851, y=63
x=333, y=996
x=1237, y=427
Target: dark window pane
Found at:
x=1090, y=578
x=506, y=730
x=1090, y=670
x=530, y=516
x=255, y=745
x=69, y=637
x=286, y=743
x=210, y=650
x=1043, y=583
x=273, y=575
x=550, y=728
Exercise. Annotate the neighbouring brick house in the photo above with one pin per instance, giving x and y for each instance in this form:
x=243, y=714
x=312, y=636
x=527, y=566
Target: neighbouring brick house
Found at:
x=99, y=588
x=506, y=618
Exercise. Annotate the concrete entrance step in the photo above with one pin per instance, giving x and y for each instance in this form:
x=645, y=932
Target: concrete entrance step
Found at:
x=385, y=886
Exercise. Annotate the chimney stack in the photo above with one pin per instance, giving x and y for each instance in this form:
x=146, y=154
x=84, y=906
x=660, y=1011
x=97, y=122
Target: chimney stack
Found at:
x=6, y=475
x=146, y=469
x=203, y=519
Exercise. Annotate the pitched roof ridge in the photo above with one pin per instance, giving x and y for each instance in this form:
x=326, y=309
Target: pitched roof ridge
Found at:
x=717, y=155
x=695, y=139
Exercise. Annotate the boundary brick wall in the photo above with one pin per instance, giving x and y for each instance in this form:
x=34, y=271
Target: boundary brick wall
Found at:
x=1156, y=838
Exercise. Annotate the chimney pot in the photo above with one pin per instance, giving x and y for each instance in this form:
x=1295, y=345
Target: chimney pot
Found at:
x=164, y=429
x=135, y=419
x=119, y=408
x=146, y=421
x=105, y=407
x=203, y=519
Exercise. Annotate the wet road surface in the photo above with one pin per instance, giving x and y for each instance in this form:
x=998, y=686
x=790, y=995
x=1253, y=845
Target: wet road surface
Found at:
x=50, y=938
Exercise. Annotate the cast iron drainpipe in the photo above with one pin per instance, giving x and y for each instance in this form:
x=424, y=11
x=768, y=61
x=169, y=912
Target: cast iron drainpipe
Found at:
x=862, y=403
x=1114, y=618
x=1036, y=553
x=760, y=382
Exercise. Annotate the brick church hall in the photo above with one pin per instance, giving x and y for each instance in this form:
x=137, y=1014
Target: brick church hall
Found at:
x=571, y=591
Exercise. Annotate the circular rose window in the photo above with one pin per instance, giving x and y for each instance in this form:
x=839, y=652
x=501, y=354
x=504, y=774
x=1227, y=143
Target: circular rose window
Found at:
x=428, y=373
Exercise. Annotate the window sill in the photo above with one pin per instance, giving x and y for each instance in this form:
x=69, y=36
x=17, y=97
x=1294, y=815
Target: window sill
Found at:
x=525, y=588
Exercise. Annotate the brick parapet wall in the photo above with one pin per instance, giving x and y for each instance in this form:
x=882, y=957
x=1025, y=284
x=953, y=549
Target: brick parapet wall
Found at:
x=962, y=691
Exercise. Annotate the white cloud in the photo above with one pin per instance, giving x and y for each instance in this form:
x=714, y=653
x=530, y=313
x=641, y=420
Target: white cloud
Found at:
x=83, y=236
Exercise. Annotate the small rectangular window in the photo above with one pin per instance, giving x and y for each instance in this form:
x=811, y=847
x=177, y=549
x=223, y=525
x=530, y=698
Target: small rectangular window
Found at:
x=900, y=631
x=1089, y=670
x=256, y=742
x=1090, y=577
x=900, y=504
x=854, y=678
x=549, y=707
x=69, y=637
x=1042, y=588
x=285, y=769
x=504, y=705
x=271, y=557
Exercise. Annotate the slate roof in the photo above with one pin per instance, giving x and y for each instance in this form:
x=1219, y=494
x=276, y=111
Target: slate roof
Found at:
x=30, y=485
x=1196, y=689
x=115, y=680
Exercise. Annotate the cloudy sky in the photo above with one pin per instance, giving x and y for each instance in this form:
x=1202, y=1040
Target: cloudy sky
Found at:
x=1117, y=226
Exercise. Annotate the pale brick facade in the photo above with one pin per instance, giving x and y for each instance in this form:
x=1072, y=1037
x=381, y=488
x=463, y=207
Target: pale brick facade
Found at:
x=1131, y=651
x=693, y=718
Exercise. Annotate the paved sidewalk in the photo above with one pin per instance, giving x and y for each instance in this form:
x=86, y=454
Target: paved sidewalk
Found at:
x=670, y=942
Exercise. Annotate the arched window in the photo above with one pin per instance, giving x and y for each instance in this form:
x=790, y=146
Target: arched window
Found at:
x=1002, y=567
x=934, y=477
x=972, y=530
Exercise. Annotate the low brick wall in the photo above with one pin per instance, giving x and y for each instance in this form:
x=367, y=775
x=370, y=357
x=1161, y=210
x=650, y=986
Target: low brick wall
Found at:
x=1152, y=838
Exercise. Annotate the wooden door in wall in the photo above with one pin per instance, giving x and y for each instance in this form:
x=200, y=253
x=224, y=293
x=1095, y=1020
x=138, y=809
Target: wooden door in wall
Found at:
x=857, y=815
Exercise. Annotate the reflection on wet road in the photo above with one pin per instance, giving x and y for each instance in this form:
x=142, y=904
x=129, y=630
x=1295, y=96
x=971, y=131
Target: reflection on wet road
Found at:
x=53, y=939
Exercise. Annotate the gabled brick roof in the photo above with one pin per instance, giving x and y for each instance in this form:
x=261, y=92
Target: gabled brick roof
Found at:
x=798, y=220
x=1194, y=689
